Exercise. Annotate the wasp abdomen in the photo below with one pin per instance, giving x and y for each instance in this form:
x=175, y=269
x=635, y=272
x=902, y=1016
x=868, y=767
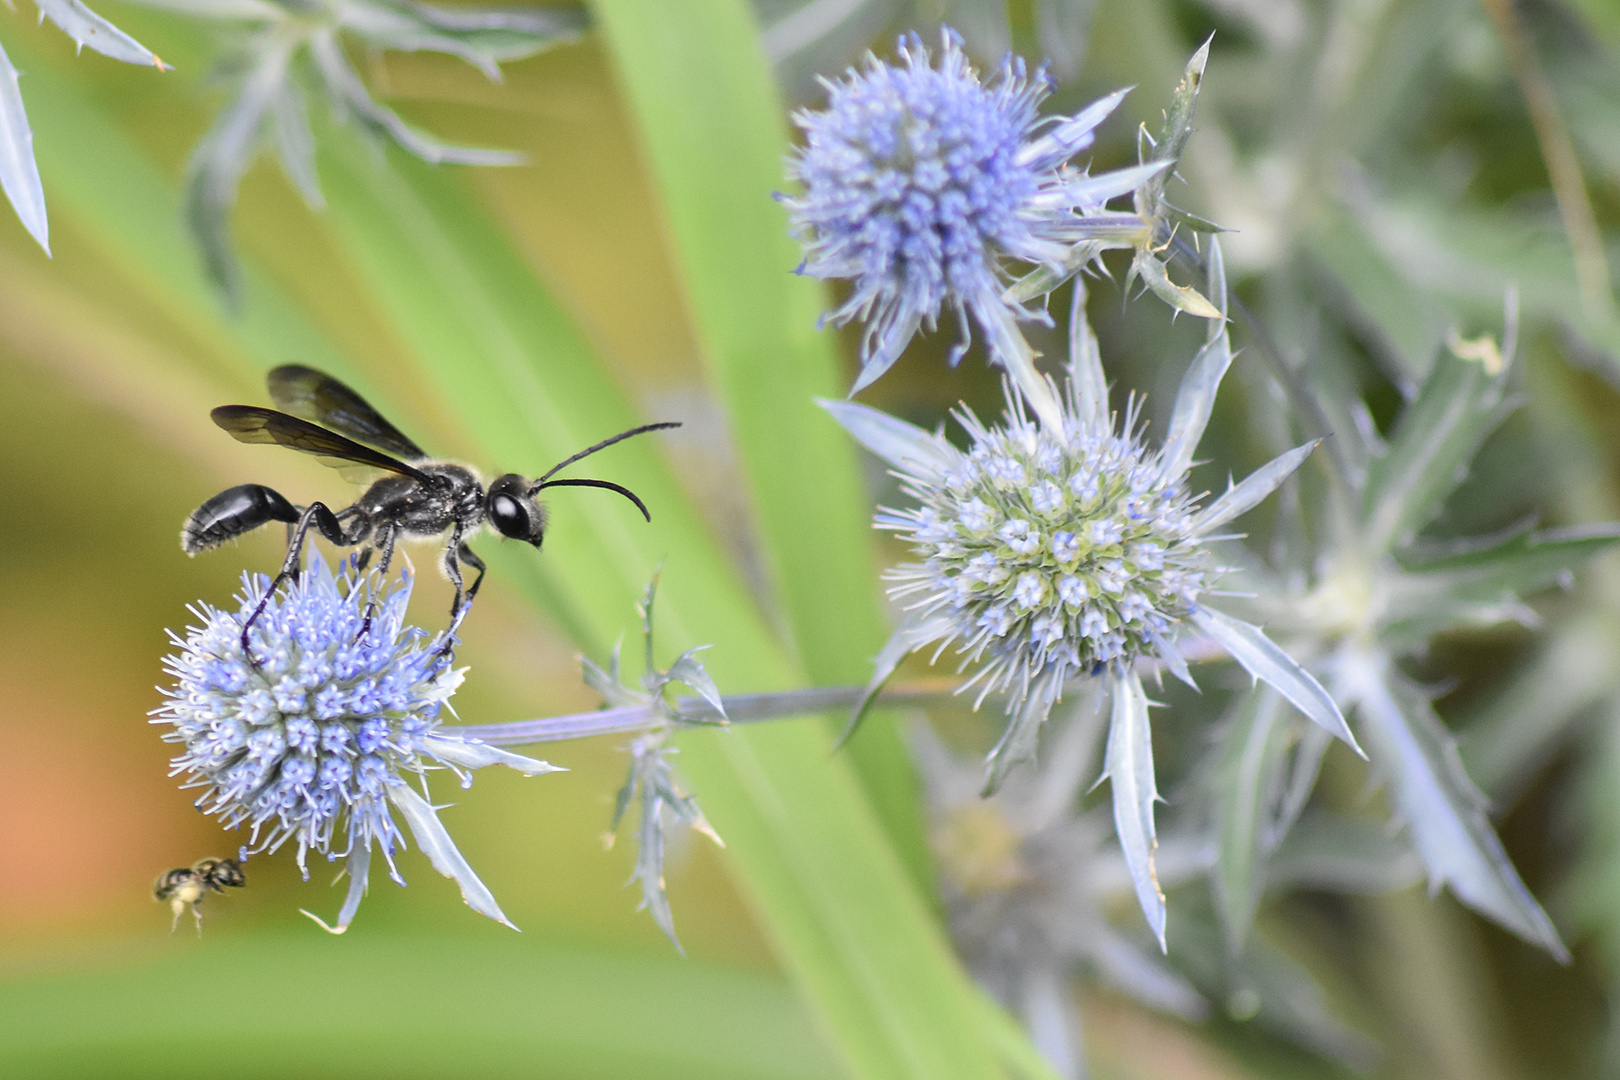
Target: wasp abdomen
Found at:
x=231, y=513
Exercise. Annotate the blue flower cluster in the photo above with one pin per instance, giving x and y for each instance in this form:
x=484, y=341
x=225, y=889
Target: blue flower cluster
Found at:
x=317, y=735
x=1061, y=545
x=318, y=743
x=920, y=181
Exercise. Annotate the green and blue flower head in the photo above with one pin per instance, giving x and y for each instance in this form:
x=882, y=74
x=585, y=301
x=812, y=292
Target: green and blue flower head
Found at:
x=1054, y=550
x=1050, y=552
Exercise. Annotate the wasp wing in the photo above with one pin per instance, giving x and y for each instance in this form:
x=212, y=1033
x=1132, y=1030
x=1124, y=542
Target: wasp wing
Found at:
x=250, y=424
x=316, y=396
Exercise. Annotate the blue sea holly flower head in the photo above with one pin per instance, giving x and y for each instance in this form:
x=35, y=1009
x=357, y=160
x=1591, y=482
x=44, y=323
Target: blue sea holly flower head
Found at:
x=1049, y=552
x=921, y=181
x=331, y=733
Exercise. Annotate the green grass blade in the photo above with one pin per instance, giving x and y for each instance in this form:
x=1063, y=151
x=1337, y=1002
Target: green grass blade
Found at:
x=379, y=1004
x=713, y=131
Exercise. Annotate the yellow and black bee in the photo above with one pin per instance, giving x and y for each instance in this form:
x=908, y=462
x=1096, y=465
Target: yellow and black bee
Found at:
x=191, y=886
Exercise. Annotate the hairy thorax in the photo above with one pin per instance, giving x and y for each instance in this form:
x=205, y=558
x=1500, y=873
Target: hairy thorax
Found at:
x=421, y=509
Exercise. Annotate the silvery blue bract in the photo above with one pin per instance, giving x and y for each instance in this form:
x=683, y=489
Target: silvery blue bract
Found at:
x=19, y=175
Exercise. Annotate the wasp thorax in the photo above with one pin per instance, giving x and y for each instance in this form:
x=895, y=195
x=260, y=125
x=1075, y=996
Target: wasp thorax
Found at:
x=513, y=510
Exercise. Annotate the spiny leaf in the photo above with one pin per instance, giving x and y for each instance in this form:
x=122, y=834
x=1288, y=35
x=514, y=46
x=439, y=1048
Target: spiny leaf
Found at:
x=1017, y=743
x=1088, y=386
x=19, y=176
x=87, y=28
x=1247, y=776
x=1177, y=128
x=220, y=159
x=1337, y=853
x=1265, y=660
x=1128, y=764
x=689, y=670
x=1243, y=497
x=652, y=779
x=1195, y=400
x=904, y=446
x=1189, y=219
x=345, y=88
x=434, y=840
x=1440, y=804
x=1523, y=561
x=1438, y=434
x=483, y=37
x=1181, y=297
x=295, y=143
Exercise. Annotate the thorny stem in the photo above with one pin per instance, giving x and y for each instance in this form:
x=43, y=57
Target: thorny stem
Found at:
x=740, y=709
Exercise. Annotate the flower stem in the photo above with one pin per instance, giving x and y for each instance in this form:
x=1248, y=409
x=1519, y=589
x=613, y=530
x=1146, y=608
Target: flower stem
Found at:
x=1008, y=345
x=740, y=709
x=1558, y=154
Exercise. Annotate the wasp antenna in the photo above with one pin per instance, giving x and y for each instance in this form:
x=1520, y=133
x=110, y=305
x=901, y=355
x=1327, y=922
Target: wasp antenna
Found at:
x=603, y=445
x=607, y=484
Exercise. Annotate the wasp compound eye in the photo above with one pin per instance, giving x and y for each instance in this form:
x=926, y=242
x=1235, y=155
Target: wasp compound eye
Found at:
x=513, y=511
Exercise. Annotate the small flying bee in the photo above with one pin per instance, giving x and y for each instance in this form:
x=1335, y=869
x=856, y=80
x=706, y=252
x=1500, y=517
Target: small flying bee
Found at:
x=190, y=886
x=420, y=498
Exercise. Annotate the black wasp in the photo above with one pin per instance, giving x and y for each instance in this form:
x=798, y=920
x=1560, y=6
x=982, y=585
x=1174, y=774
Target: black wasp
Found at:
x=421, y=498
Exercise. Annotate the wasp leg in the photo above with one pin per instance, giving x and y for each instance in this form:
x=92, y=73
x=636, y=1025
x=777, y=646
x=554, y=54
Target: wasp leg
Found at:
x=477, y=564
x=466, y=555
x=332, y=525
x=321, y=517
x=387, y=535
x=456, y=553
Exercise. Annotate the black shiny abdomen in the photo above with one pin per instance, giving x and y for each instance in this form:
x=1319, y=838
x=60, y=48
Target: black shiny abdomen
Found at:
x=231, y=513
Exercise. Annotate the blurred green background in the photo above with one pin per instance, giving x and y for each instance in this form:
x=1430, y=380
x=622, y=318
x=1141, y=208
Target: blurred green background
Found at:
x=1322, y=124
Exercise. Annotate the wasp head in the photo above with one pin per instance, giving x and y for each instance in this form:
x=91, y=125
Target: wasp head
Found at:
x=514, y=511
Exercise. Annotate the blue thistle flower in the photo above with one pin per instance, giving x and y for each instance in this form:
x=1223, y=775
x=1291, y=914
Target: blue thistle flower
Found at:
x=1050, y=551
x=921, y=181
x=317, y=744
